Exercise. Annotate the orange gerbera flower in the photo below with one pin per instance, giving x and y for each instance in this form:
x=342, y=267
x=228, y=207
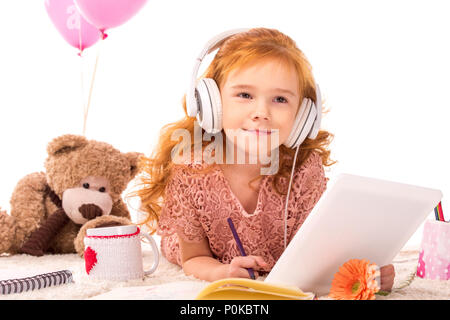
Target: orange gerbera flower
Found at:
x=355, y=280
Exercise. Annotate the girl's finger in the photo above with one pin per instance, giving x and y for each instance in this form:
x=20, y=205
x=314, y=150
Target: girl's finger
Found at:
x=247, y=273
x=258, y=261
x=244, y=262
x=387, y=270
x=242, y=273
x=261, y=262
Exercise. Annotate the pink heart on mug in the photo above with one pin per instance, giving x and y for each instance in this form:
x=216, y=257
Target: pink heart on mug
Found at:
x=90, y=257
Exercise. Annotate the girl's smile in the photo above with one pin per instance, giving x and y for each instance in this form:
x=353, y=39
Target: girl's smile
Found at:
x=259, y=132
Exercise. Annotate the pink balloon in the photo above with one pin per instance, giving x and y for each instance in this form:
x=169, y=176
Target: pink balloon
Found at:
x=105, y=14
x=71, y=25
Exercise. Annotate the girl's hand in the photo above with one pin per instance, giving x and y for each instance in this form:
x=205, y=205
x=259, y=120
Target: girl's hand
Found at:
x=387, y=275
x=237, y=266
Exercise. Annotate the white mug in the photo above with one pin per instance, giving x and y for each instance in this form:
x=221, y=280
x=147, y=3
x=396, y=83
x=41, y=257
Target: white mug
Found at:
x=114, y=253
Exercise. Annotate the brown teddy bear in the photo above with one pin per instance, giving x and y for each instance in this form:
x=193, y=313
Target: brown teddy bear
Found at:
x=80, y=189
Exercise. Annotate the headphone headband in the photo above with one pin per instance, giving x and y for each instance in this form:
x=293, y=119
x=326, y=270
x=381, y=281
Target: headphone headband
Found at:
x=216, y=41
x=211, y=45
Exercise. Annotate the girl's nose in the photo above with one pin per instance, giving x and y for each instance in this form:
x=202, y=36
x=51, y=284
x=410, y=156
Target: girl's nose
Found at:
x=261, y=111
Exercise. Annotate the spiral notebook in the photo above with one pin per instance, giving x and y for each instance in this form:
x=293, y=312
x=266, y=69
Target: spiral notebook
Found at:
x=39, y=281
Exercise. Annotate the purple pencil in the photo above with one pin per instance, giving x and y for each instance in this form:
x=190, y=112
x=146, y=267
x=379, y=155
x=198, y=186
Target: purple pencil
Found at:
x=240, y=247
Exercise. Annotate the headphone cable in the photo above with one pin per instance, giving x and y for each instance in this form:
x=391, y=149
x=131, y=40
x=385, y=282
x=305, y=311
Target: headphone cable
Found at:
x=287, y=197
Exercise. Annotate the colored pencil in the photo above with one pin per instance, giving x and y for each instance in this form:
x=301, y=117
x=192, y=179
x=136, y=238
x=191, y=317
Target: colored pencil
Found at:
x=439, y=214
x=239, y=245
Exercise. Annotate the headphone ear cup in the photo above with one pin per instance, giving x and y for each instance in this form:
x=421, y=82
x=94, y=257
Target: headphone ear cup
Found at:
x=210, y=105
x=302, y=124
x=318, y=107
x=297, y=122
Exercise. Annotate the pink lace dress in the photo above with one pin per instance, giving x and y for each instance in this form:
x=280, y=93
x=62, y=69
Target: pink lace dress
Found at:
x=197, y=206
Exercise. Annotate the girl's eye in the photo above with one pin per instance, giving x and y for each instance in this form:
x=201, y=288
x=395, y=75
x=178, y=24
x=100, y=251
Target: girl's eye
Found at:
x=244, y=95
x=280, y=100
x=86, y=185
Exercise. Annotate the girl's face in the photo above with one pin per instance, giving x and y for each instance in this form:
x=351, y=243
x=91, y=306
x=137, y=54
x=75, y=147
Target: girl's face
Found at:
x=259, y=102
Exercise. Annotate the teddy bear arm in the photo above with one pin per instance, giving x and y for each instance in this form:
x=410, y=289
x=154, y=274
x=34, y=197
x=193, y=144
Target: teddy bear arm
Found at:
x=40, y=239
x=7, y=231
x=28, y=206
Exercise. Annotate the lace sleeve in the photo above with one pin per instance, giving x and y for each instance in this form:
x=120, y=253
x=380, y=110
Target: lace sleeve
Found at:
x=180, y=212
x=309, y=187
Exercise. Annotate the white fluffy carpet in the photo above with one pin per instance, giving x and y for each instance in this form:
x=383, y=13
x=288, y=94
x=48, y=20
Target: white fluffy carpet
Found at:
x=84, y=288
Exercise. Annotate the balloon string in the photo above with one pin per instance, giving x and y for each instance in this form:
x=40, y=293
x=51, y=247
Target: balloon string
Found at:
x=86, y=109
x=83, y=103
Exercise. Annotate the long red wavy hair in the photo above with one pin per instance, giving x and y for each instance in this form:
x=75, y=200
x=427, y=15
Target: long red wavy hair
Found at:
x=235, y=52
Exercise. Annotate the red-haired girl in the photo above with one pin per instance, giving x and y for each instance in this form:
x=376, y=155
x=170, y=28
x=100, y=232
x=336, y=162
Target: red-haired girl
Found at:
x=263, y=81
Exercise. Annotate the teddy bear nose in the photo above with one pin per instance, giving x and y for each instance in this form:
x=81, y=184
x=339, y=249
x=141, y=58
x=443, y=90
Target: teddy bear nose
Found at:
x=90, y=211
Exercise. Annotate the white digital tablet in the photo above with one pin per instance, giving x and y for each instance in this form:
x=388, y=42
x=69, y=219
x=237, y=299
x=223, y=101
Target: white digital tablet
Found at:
x=356, y=218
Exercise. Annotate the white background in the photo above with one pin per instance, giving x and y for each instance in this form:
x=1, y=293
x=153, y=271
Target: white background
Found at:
x=383, y=67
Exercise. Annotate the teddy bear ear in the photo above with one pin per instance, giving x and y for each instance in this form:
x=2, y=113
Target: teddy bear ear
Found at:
x=133, y=159
x=65, y=144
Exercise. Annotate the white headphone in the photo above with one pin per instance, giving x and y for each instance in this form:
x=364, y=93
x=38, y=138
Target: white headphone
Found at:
x=203, y=101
